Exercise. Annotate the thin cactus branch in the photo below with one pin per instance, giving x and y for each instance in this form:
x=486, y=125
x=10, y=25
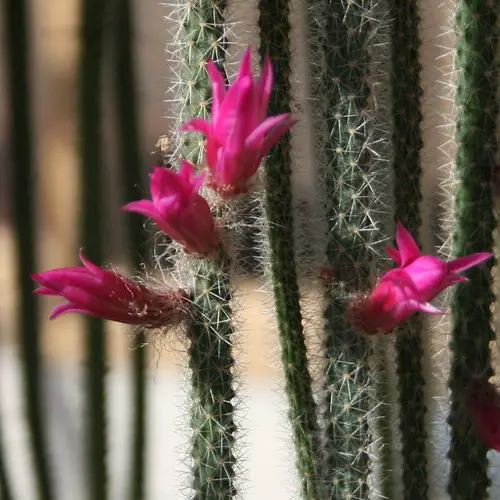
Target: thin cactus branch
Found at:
x=90, y=74
x=274, y=25
x=211, y=362
x=22, y=197
x=132, y=176
x=476, y=136
x=407, y=142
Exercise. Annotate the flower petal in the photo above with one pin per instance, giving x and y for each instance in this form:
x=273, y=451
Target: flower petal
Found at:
x=407, y=246
x=463, y=263
x=394, y=254
x=197, y=125
x=218, y=88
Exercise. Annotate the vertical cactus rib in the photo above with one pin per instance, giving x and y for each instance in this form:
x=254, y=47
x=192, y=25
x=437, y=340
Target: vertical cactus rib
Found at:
x=351, y=180
x=274, y=28
x=203, y=37
x=22, y=197
x=477, y=65
x=130, y=162
x=407, y=143
x=90, y=73
x=211, y=362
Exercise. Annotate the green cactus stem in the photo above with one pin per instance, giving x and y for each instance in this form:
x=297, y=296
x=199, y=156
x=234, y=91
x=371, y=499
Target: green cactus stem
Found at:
x=90, y=74
x=202, y=36
x=407, y=142
x=22, y=199
x=351, y=179
x=211, y=362
x=476, y=132
x=132, y=176
x=274, y=28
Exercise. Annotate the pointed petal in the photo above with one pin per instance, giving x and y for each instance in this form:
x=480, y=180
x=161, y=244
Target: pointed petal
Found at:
x=198, y=125
x=66, y=308
x=463, y=263
x=394, y=254
x=430, y=309
x=164, y=182
x=407, y=246
x=274, y=136
x=143, y=207
x=279, y=122
x=264, y=87
x=218, y=88
x=245, y=65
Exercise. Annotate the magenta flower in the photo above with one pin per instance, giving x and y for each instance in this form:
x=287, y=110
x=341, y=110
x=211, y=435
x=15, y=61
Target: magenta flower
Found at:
x=240, y=133
x=483, y=404
x=179, y=210
x=407, y=289
x=109, y=295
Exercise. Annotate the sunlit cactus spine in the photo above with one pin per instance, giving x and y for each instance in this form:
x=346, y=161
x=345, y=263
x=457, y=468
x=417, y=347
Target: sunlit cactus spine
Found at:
x=476, y=159
x=353, y=181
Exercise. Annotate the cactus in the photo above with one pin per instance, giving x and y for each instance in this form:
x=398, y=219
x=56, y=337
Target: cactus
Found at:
x=22, y=174
x=90, y=69
x=211, y=362
x=477, y=153
x=407, y=143
x=201, y=36
x=351, y=181
x=130, y=161
x=274, y=39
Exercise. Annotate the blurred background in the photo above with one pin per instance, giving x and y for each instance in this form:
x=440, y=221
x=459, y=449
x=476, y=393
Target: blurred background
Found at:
x=54, y=46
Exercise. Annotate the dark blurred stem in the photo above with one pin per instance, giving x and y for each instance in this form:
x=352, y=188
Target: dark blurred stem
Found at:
x=5, y=488
x=22, y=196
x=90, y=73
x=131, y=169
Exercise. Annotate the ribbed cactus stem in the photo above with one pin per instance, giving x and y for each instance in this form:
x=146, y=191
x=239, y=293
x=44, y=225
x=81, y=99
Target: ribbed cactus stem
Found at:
x=90, y=79
x=274, y=28
x=202, y=37
x=477, y=150
x=132, y=176
x=211, y=362
x=353, y=209
x=22, y=166
x=407, y=142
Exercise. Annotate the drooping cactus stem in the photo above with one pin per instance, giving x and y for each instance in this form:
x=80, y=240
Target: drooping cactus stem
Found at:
x=407, y=142
x=477, y=153
x=132, y=175
x=274, y=28
x=90, y=73
x=22, y=171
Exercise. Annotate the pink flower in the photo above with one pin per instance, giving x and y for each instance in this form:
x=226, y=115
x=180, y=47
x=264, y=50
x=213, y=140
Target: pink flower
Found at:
x=109, y=295
x=240, y=133
x=179, y=210
x=407, y=289
x=483, y=404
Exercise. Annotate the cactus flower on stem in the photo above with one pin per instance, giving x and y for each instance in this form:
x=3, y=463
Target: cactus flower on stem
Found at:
x=403, y=291
x=179, y=210
x=102, y=293
x=240, y=133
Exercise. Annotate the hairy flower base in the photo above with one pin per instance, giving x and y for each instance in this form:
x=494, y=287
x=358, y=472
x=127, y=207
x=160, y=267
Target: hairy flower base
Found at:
x=106, y=294
x=408, y=288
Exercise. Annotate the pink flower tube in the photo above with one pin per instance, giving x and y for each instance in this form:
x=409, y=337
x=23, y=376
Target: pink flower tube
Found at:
x=240, y=133
x=98, y=292
x=407, y=289
x=179, y=210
